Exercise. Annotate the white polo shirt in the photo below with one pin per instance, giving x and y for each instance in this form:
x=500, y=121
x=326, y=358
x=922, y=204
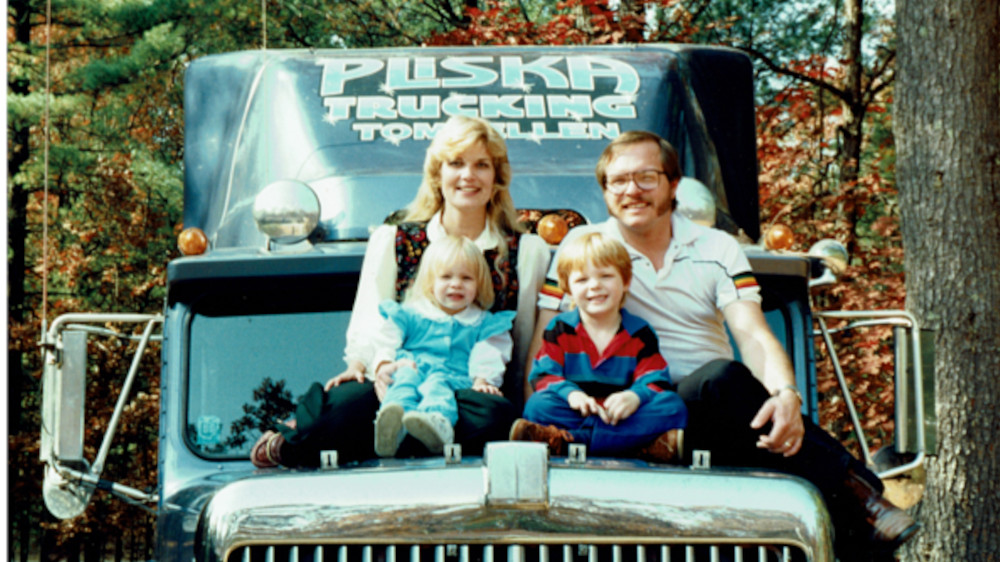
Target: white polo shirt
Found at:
x=704, y=270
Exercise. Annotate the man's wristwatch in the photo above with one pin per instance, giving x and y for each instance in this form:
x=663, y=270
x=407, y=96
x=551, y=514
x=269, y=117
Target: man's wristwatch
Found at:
x=794, y=389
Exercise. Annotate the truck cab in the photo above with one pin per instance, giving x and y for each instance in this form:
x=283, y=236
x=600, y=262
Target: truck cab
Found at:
x=292, y=158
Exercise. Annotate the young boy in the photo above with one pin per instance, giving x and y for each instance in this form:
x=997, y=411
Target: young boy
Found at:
x=599, y=378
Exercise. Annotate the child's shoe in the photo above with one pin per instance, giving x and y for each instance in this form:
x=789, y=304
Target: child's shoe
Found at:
x=389, y=430
x=266, y=452
x=668, y=448
x=557, y=439
x=432, y=429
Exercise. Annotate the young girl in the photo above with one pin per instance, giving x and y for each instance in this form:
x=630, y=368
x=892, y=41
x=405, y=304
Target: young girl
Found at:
x=441, y=339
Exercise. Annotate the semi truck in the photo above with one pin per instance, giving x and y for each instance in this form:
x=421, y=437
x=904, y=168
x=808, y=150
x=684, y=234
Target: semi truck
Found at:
x=292, y=157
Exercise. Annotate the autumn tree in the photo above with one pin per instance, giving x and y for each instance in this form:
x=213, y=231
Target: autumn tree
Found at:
x=840, y=52
x=948, y=129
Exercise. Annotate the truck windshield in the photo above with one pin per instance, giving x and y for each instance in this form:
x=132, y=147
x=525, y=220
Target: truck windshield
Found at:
x=246, y=371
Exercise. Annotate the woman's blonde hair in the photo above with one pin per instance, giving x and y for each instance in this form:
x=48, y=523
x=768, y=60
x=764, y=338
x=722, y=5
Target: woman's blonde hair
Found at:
x=454, y=137
x=447, y=251
x=593, y=248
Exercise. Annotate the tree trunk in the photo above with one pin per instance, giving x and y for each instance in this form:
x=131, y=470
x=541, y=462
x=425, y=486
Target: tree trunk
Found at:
x=854, y=115
x=948, y=163
x=17, y=228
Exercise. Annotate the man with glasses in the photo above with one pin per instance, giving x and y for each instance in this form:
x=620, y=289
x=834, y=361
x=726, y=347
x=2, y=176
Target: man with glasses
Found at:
x=689, y=282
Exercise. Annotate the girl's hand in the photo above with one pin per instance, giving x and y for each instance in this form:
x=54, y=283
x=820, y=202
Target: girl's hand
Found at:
x=354, y=372
x=480, y=385
x=585, y=404
x=383, y=375
x=620, y=405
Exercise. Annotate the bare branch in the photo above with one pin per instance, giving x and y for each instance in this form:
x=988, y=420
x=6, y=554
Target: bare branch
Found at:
x=775, y=67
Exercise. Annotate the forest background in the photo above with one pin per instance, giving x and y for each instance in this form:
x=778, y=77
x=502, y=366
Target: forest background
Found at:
x=825, y=76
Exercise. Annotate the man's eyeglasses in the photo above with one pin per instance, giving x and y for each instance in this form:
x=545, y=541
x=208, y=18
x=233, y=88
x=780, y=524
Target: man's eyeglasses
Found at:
x=645, y=179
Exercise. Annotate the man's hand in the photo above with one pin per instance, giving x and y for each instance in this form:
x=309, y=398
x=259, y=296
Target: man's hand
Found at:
x=354, y=372
x=785, y=414
x=620, y=405
x=585, y=404
x=480, y=385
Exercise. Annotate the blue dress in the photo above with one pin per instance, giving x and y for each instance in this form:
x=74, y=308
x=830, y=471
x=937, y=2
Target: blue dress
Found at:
x=441, y=348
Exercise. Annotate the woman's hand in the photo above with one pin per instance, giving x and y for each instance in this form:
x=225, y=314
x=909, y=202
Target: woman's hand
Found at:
x=384, y=372
x=585, y=404
x=620, y=405
x=354, y=372
x=480, y=385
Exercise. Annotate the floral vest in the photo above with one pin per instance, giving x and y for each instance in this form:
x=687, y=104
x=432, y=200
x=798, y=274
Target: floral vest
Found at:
x=411, y=241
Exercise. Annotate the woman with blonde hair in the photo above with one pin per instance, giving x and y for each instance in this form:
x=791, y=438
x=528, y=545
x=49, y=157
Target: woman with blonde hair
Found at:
x=465, y=192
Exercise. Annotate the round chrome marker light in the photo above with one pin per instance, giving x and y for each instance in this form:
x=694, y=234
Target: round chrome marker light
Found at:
x=287, y=211
x=695, y=201
x=833, y=253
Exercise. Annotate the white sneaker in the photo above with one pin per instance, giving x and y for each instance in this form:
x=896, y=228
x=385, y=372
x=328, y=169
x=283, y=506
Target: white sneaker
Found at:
x=389, y=430
x=432, y=429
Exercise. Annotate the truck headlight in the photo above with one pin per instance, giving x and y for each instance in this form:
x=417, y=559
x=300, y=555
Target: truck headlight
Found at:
x=286, y=211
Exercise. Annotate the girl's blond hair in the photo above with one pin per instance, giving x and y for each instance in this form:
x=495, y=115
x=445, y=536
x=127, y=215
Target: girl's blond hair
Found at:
x=447, y=251
x=454, y=137
x=593, y=248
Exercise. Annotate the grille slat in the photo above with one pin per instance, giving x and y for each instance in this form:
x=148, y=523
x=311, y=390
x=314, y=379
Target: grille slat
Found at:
x=453, y=552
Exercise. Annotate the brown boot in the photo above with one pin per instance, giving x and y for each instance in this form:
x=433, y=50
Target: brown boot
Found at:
x=668, y=448
x=266, y=453
x=557, y=439
x=891, y=526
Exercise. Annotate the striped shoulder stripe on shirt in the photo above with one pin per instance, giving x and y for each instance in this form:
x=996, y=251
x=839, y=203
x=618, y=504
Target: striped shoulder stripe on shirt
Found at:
x=551, y=289
x=744, y=280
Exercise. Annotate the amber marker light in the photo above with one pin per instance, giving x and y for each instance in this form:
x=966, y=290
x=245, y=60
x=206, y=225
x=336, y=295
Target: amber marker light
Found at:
x=552, y=228
x=779, y=237
x=192, y=241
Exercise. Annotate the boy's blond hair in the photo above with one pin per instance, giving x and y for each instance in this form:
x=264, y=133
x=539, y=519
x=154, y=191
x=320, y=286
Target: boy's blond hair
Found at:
x=447, y=251
x=596, y=249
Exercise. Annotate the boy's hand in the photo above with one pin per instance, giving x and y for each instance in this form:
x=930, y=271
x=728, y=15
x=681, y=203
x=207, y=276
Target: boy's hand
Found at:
x=480, y=385
x=585, y=404
x=620, y=405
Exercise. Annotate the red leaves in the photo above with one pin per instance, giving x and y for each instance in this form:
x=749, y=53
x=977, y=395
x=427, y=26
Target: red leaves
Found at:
x=798, y=139
x=575, y=22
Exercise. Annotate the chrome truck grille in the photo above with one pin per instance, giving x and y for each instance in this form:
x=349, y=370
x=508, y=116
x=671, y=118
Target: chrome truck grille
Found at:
x=515, y=505
x=519, y=553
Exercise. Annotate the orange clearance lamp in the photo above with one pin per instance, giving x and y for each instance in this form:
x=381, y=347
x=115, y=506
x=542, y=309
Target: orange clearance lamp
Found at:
x=552, y=228
x=192, y=241
x=779, y=237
